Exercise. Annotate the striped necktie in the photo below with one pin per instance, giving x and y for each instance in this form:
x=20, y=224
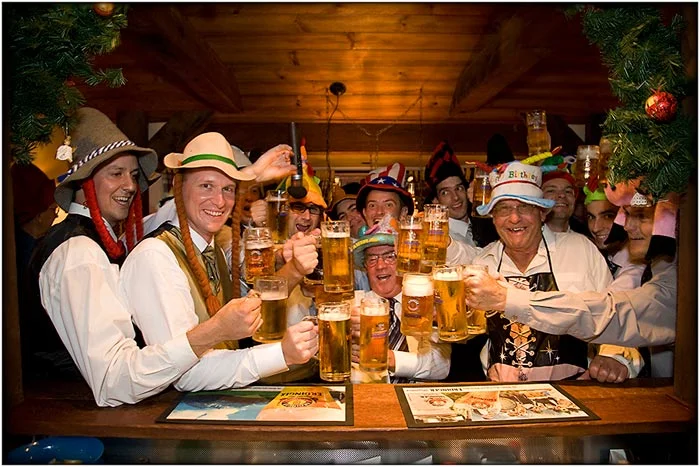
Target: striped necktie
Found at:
x=397, y=341
x=209, y=258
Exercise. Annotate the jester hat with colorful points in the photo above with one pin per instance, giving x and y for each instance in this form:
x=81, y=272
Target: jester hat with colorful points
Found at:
x=382, y=233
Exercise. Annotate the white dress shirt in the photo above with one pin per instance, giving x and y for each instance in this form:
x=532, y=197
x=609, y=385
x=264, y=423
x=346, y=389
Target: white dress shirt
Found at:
x=79, y=290
x=460, y=230
x=158, y=295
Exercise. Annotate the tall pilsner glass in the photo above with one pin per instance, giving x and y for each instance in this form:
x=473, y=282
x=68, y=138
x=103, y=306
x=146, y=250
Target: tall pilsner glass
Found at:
x=450, y=303
x=476, y=319
x=482, y=190
x=417, y=305
x=435, y=237
x=409, y=247
x=338, y=274
x=277, y=215
x=374, y=334
x=273, y=293
x=334, y=339
x=259, y=258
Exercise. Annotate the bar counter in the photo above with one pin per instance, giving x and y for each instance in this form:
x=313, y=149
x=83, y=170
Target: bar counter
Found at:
x=634, y=407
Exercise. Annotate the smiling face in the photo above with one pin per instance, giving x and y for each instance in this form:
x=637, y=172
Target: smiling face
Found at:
x=301, y=219
x=452, y=193
x=252, y=194
x=209, y=196
x=346, y=210
x=115, y=184
x=639, y=225
x=600, y=215
x=383, y=279
x=381, y=202
x=561, y=191
x=519, y=225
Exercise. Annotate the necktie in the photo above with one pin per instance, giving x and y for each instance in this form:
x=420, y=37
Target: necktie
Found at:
x=209, y=258
x=397, y=341
x=612, y=266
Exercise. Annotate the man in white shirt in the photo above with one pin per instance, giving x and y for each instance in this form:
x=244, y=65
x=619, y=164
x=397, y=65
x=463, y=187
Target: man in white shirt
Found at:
x=179, y=277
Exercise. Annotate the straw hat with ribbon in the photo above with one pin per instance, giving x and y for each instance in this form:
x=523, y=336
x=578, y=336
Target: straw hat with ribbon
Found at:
x=208, y=150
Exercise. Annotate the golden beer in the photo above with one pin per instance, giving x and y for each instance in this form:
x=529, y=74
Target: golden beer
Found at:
x=338, y=273
x=273, y=293
x=409, y=248
x=482, y=191
x=334, y=339
x=374, y=334
x=476, y=319
x=450, y=303
x=259, y=253
x=435, y=237
x=587, y=164
x=417, y=305
x=537, y=136
x=277, y=215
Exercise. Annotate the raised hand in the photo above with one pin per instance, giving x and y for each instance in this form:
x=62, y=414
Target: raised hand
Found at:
x=483, y=292
x=304, y=251
x=273, y=165
x=258, y=212
x=300, y=342
x=239, y=318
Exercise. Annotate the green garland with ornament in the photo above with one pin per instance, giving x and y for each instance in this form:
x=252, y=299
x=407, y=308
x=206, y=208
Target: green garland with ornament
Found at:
x=650, y=139
x=51, y=47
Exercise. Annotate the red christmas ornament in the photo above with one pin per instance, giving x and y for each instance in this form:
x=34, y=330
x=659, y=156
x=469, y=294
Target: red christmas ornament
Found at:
x=661, y=106
x=103, y=9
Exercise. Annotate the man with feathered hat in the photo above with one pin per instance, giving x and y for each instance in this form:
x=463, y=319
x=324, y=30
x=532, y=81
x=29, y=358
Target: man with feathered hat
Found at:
x=178, y=277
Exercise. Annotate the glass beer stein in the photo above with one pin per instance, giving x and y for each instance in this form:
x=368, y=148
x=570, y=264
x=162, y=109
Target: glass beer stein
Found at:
x=482, y=190
x=476, y=319
x=409, y=247
x=338, y=269
x=537, y=136
x=450, y=303
x=435, y=237
x=334, y=339
x=273, y=293
x=417, y=305
x=277, y=215
x=259, y=256
x=374, y=334
x=586, y=168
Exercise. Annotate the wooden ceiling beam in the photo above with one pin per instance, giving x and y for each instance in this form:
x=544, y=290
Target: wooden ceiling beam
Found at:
x=175, y=134
x=165, y=37
x=525, y=36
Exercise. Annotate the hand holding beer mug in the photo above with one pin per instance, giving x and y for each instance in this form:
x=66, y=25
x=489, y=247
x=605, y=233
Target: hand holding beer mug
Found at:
x=374, y=334
x=334, y=338
x=273, y=293
x=450, y=303
x=409, y=247
x=315, y=277
x=277, y=215
x=417, y=305
x=338, y=273
x=481, y=190
x=476, y=318
x=259, y=259
x=435, y=237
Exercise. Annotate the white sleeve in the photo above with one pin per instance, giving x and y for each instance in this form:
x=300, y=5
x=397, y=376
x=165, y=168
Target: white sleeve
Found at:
x=427, y=359
x=159, y=298
x=79, y=290
x=460, y=252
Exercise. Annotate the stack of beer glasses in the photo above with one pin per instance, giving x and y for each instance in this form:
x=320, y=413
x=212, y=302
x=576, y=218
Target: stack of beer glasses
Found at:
x=277, y=215
x=273, y=293
x=409, y=247
x=338, y=273
x=435, y=237
x=374, y=334
x=450, y=303
x=417, y=305
x=259, y=257
x=334, y=340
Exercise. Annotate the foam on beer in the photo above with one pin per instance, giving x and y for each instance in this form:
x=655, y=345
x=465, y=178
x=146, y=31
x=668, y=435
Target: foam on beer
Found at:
x=333, y=316
x=258, y=245
x=446, y=276
x=417, y=286
x=328, y=234
x=270, y=295
x=374, y=308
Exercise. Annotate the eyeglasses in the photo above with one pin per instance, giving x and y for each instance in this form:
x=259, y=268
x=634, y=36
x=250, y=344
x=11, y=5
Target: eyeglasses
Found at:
x=389, y=258
x=522, y=209
x=301, y=208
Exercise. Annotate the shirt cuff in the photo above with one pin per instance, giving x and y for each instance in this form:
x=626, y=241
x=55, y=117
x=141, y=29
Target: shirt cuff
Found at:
x=181, y=352
x=517, y=304
x=405, y=364
x=269, y=359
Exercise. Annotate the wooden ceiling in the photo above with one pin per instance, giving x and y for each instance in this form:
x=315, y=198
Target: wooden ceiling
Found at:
x=415, y=73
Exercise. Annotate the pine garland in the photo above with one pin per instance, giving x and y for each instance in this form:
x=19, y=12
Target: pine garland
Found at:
x=51, y=47
x=643, y=56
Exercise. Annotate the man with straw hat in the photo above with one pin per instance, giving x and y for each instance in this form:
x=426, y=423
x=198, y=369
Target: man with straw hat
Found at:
x=532, y=257
x=178, y=277
x=76, y=272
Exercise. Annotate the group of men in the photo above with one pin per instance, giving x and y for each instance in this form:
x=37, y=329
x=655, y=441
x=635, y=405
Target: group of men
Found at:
x=167, y=312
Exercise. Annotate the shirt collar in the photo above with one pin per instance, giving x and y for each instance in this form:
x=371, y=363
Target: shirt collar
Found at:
x=197, y=239
x=79, y=209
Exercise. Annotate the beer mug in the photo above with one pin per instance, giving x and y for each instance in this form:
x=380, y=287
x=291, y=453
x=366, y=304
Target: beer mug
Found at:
x=338, y=272
x=417, y=305
x=537, y=136
x=586, y=168
x=315, y=277
x=374, y=334
x=450, y=303
x=277, y=215
x=273, y=293
x=476, y=319
x=481, y=189
x=435, y=237
x=259, y=257
x=334, y=339
x=409, y=248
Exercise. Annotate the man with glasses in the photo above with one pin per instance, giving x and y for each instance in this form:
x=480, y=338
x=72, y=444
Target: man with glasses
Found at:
x=409, y=358
x=532, y=257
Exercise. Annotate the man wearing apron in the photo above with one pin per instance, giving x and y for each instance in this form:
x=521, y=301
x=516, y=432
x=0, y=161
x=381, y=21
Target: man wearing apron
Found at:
x=532, y=257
